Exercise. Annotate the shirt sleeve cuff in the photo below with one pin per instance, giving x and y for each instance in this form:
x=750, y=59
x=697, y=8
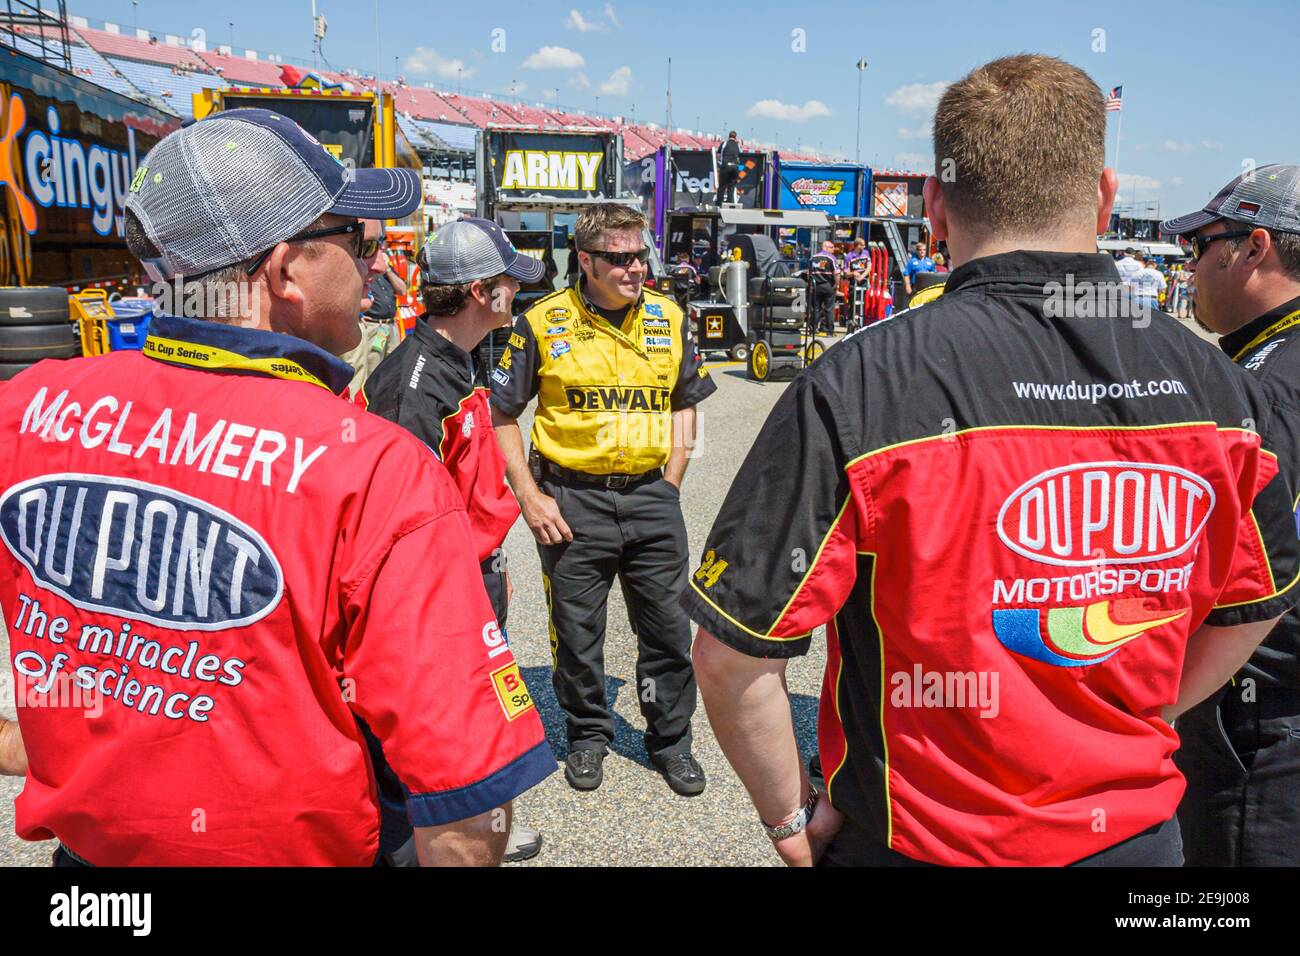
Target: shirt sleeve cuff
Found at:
x=448, y=806
x=710, y=617
x=1234, y=614
x=514, y=410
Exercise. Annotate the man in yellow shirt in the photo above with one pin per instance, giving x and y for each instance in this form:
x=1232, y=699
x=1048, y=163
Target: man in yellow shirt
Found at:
x=617, y=375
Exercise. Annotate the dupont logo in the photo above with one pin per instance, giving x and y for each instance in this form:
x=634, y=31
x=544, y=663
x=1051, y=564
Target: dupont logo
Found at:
x=1106, y=512
x=139, y=551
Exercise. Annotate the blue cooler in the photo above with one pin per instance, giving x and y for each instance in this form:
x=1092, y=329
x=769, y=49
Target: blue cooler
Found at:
x=130, y=326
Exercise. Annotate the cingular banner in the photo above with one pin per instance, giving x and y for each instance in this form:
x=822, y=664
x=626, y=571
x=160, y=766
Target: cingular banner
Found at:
x=70, y=150
x=551, y=164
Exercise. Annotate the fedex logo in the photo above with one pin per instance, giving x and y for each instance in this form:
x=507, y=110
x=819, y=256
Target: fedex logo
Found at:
x=1105, y=513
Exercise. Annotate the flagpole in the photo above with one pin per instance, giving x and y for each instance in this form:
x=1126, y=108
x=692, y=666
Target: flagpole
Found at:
x=1119, y=134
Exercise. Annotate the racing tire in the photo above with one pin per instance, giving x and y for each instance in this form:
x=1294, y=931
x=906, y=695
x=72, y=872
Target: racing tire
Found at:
x=32, y=305
x=25, y=344
x=813, y=352
x=760, y=362
x=740, y=352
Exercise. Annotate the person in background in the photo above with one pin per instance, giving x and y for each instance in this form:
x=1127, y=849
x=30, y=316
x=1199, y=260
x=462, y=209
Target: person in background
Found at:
x=1148, y=283
x=940, y=263
x=378, y=321
x=919, y=261
x=728, y=170
x=1128, y=266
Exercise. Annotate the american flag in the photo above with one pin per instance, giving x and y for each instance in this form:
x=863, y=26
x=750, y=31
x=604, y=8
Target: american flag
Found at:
x=1115, y=102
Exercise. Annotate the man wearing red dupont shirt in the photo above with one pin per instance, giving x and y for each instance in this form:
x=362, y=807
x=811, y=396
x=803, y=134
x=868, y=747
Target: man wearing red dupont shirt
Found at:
x=207, y=553
x=431, y=386
x=1034, y=519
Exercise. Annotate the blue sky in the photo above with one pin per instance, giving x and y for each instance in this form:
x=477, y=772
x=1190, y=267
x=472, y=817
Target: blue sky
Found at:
x=784, y=73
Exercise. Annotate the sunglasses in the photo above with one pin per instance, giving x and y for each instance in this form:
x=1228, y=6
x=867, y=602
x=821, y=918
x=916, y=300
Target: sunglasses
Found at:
x=362, y=248
x=624, y=259
x=1202, y=243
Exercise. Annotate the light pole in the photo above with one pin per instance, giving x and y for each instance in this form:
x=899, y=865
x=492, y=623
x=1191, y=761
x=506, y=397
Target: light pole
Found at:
x=857, y=142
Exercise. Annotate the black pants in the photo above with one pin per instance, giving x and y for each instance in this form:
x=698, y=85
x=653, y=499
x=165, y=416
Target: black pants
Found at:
x=727, y=176
x=494, y=582
x=637, y=533
x=1242, y=763
x=1160, y=845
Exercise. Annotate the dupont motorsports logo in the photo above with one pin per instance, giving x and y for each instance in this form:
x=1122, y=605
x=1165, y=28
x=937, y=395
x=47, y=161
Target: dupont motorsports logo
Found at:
x=1117, y=541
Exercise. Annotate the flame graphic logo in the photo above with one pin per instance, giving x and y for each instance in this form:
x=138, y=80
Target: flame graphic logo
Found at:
x=15, y=120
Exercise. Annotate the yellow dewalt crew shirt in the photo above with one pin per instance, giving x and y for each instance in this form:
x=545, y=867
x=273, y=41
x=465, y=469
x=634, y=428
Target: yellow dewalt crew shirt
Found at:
x=606, y=392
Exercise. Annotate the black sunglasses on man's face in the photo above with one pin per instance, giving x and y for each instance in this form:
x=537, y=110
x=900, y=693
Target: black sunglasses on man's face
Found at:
x=1200, y=244
x=622, y=259
x=362, y=248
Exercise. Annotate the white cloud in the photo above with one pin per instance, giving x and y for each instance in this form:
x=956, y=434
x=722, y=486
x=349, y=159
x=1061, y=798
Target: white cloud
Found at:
x=580, y=81
x=914, y=161
x=1130, y=181
x=613, y=18
x=554, y=58
x=1174, y=146
x=550, y=95
x=580, y=23
x=924, y=131
x=917, y=98
x=792, y=112
x=1175, y=181
x=617, y=83
x=428, y=60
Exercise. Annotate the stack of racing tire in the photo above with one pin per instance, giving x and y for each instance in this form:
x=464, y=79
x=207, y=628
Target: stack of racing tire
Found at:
x=34, y=325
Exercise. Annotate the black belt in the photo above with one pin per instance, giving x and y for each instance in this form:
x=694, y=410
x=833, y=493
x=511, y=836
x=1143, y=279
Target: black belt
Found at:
x=568, y=476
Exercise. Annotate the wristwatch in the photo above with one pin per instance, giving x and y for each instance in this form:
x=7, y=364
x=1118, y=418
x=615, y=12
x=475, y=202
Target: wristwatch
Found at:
x=797, y=823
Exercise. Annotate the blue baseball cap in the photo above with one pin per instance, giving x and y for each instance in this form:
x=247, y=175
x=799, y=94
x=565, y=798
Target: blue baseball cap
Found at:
x=228, y=187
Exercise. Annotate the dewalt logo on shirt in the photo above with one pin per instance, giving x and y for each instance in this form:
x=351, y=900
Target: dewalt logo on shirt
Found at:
x=604, y=399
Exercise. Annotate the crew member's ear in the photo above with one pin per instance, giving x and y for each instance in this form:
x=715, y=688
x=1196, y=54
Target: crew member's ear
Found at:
x=1255, y=250
x=1107, y=188
x=932, y=192
x=282, y=271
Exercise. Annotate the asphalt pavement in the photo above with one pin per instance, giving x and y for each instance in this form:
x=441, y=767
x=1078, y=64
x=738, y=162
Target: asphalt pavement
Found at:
x=633, y=819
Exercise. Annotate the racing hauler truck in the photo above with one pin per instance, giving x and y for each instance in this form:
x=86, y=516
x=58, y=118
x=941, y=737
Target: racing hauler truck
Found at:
x=69, y=151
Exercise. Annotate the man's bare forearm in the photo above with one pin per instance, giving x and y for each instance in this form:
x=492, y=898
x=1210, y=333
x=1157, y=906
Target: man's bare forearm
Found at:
x=749, y=710
x=1213, y=655
x=683, y=443
x=13, y=755
x=478, y=841
x=511, y=440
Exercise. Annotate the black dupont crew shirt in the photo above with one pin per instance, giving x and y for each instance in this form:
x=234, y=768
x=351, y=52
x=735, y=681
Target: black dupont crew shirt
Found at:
x=1010, y=507
x=1267, y=349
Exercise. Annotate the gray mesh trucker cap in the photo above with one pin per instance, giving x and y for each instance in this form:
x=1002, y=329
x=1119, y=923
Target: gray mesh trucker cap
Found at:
x=223, y=189
x=470, y=249
x=1267, y=196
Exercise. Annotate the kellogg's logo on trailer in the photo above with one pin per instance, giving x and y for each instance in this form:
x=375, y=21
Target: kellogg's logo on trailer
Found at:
x=140, y=551
x=1105, y=513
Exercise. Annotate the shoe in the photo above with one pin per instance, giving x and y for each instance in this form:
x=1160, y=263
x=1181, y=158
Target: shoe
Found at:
x=684, y=775
x=582, y=768
x=524, y=844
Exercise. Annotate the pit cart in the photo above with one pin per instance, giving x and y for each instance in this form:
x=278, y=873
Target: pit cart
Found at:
x=774, y=307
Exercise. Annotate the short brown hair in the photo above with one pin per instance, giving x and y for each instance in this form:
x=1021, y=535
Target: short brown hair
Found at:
x=450, y=299
x=595, y=221
x=1020, y=143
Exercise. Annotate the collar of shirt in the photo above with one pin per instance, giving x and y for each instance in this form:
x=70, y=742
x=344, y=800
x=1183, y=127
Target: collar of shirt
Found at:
x=1242, y=340
x=1032, y=269
x=198, y=343
x=445, y=349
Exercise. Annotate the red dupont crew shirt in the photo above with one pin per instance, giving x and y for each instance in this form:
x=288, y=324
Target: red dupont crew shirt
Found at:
x=206, y=576
x=1011, y=507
